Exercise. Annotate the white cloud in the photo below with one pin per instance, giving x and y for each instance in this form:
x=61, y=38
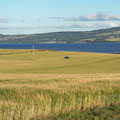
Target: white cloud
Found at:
x=108, y=24
x=3, y=20
x=17, y=28
x=74, y=26
x=92, y=17
x=90, y=25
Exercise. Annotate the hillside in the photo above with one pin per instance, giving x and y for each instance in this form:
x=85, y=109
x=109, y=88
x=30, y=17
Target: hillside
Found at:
x=102, y=35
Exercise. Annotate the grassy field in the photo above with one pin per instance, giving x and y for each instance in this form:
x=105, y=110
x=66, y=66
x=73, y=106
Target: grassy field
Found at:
x=84, y=87
x=53, y=62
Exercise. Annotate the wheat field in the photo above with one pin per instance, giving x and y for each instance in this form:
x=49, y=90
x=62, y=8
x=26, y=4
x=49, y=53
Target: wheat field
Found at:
x=50, y=85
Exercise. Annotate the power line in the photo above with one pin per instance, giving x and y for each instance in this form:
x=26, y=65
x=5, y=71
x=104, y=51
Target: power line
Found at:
x=33, y=51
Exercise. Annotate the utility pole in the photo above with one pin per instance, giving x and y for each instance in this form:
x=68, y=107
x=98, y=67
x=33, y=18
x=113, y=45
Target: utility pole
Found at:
x=33, y=51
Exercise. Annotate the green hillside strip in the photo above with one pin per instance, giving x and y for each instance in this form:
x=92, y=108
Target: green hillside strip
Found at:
x=113, y=39
x=53, y=62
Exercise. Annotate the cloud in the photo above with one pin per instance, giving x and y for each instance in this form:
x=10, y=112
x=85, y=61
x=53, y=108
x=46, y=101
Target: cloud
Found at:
x=17, y=28
x=82, y=25
x=89, y=25
x=91, y=17
x=23, y=21
x=3, y=20
x=108, y=24
x=73, y=26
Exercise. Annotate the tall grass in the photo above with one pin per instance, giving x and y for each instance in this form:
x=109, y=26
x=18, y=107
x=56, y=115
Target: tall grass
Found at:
x=25, y=97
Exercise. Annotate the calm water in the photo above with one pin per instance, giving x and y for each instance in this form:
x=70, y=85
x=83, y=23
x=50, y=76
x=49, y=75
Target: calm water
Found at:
x=83, y=47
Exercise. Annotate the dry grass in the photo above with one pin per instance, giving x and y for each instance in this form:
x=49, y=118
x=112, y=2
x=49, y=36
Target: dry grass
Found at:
x=46, y=94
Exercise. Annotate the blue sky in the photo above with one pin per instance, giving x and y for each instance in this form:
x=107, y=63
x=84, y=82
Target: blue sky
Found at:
x=41, y=16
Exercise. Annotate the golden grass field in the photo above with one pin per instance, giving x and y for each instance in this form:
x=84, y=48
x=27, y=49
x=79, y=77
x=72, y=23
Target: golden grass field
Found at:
x=53, y=62
x=50, y=85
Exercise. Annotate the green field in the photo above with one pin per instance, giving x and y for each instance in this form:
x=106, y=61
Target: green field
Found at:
x=84, y=87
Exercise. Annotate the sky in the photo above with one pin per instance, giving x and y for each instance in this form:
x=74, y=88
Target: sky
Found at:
x=43, y=16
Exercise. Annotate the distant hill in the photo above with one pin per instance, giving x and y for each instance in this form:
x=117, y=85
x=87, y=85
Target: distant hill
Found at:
x=102, y=35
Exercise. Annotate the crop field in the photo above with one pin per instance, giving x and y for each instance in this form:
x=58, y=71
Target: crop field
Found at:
x=84, y=87
x=53, y=62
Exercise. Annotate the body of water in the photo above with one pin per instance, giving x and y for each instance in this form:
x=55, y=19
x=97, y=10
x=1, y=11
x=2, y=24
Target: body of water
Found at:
x=81, y=47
